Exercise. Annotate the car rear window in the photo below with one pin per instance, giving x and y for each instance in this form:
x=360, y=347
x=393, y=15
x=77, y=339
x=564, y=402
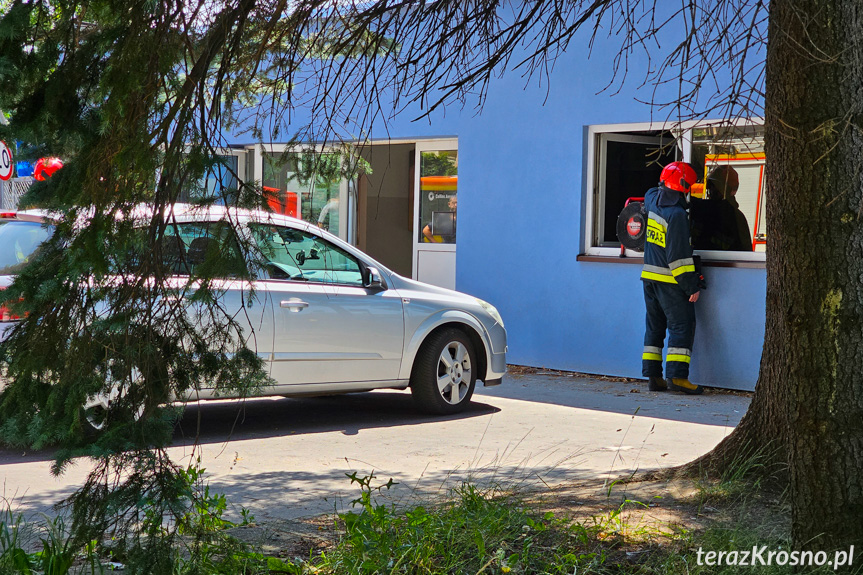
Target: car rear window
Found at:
x=18, y=243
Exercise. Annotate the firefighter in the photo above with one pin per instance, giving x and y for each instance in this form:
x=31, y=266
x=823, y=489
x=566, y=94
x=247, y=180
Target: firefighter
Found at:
x=671, y=283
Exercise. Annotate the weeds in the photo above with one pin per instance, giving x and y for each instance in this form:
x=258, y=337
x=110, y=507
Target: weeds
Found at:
x=56, y=556
x=474, y=531
x=206, y=510
x=202, y=544
x=740, y=478
x=490, y=530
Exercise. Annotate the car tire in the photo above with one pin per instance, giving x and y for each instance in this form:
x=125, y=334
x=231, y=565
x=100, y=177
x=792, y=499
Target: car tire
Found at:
x=441, y=383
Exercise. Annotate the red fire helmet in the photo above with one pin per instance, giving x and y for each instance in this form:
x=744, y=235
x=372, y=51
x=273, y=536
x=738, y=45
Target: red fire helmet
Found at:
x=678, y=176
x=45, y=167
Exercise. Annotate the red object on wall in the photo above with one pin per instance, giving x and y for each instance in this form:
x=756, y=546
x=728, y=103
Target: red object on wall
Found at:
x=45, y=168
x=282, y=201
x=291, y=204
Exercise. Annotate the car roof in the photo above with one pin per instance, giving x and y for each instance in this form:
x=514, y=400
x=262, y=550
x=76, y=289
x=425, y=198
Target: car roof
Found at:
x=191, y=213
x=179, y=210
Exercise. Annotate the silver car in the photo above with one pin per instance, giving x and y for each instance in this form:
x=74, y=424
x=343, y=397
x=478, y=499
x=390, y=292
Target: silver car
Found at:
x=329, y=319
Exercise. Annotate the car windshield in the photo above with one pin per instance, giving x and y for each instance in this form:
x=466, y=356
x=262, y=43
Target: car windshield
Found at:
x=18, y=242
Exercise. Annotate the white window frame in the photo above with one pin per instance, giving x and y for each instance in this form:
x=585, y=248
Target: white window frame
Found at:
x=239, y=153
x=683, y=130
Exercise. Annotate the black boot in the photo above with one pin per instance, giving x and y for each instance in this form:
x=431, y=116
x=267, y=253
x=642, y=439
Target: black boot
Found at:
x=656, y=383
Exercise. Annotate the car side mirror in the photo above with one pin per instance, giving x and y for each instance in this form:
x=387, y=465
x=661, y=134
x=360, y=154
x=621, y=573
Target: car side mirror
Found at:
x=372, y=279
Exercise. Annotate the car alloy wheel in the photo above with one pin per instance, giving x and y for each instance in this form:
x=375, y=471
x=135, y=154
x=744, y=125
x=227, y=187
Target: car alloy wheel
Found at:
x=454, y=372
x=443, y=376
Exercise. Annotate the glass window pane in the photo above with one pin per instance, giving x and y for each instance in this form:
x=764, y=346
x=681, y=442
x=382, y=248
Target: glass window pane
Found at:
x=631, y=168
x=19, y=242
x=299, y=191
x=219, y=181
x=297, y=255
x=727, y=213
x=207, y=249
x=438, y=200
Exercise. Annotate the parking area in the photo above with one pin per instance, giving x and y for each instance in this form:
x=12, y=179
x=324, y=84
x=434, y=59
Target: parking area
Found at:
x=286, y=458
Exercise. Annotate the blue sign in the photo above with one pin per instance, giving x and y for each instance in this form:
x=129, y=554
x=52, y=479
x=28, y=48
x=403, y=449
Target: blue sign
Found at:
x=24, y=169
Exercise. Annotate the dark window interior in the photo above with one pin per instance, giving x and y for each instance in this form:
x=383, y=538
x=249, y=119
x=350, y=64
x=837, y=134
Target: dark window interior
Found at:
x=630, y=170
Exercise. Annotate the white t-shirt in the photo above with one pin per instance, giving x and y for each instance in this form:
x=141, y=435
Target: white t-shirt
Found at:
x=331, y=209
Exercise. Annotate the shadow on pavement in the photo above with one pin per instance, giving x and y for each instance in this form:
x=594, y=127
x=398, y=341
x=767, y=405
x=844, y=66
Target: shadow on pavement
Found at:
x=219, y=421
x=715, y=407
x=295, y=493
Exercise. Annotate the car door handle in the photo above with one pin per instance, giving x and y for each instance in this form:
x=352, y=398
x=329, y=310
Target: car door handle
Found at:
x=294, y=305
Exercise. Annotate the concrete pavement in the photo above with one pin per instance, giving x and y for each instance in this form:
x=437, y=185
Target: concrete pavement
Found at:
x=286, y=458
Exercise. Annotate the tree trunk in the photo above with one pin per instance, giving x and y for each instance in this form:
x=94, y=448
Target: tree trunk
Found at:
x=814, y=147
x=809, y=399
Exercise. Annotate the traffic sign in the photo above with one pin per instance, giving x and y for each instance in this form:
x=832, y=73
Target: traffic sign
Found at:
x=6, y=164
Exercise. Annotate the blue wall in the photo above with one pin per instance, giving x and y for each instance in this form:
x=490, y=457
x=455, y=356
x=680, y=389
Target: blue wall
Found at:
x=522, y=189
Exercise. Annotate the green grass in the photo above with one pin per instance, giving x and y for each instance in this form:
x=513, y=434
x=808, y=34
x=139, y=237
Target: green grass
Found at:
x=489, y=530
x=474, y=530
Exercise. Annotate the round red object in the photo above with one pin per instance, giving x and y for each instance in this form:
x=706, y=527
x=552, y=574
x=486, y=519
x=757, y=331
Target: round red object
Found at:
x=46, y=167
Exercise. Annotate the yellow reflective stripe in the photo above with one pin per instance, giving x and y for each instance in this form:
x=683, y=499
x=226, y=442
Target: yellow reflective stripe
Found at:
x=655, y=232
x=652, y=356
x=658, y=277
x=682, y=270
x=677, y=357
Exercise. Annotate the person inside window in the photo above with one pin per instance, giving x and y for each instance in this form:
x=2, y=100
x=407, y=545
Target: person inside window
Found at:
x=328, y=219
x=726, y=176
x=430, y=234
x=716, y=221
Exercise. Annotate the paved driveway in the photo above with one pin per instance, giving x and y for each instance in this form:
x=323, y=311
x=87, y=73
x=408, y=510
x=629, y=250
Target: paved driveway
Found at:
x=285, y=458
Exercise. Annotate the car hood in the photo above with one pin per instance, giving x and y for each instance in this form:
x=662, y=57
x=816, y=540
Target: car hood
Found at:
x=408, y=285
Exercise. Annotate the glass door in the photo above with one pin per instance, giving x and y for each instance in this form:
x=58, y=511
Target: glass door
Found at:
x=435, y=212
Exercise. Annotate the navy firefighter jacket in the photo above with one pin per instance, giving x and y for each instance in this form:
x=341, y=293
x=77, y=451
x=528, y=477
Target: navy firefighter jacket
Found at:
x=667, y=250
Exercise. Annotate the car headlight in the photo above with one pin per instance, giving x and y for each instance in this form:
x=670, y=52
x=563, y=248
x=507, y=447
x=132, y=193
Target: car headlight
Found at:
x=492, y=311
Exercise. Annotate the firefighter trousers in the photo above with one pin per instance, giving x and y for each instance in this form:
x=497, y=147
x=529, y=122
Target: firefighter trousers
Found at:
x=668, y=309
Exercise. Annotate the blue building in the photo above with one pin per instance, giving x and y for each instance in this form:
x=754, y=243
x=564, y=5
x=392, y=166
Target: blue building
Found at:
x=537, y=180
